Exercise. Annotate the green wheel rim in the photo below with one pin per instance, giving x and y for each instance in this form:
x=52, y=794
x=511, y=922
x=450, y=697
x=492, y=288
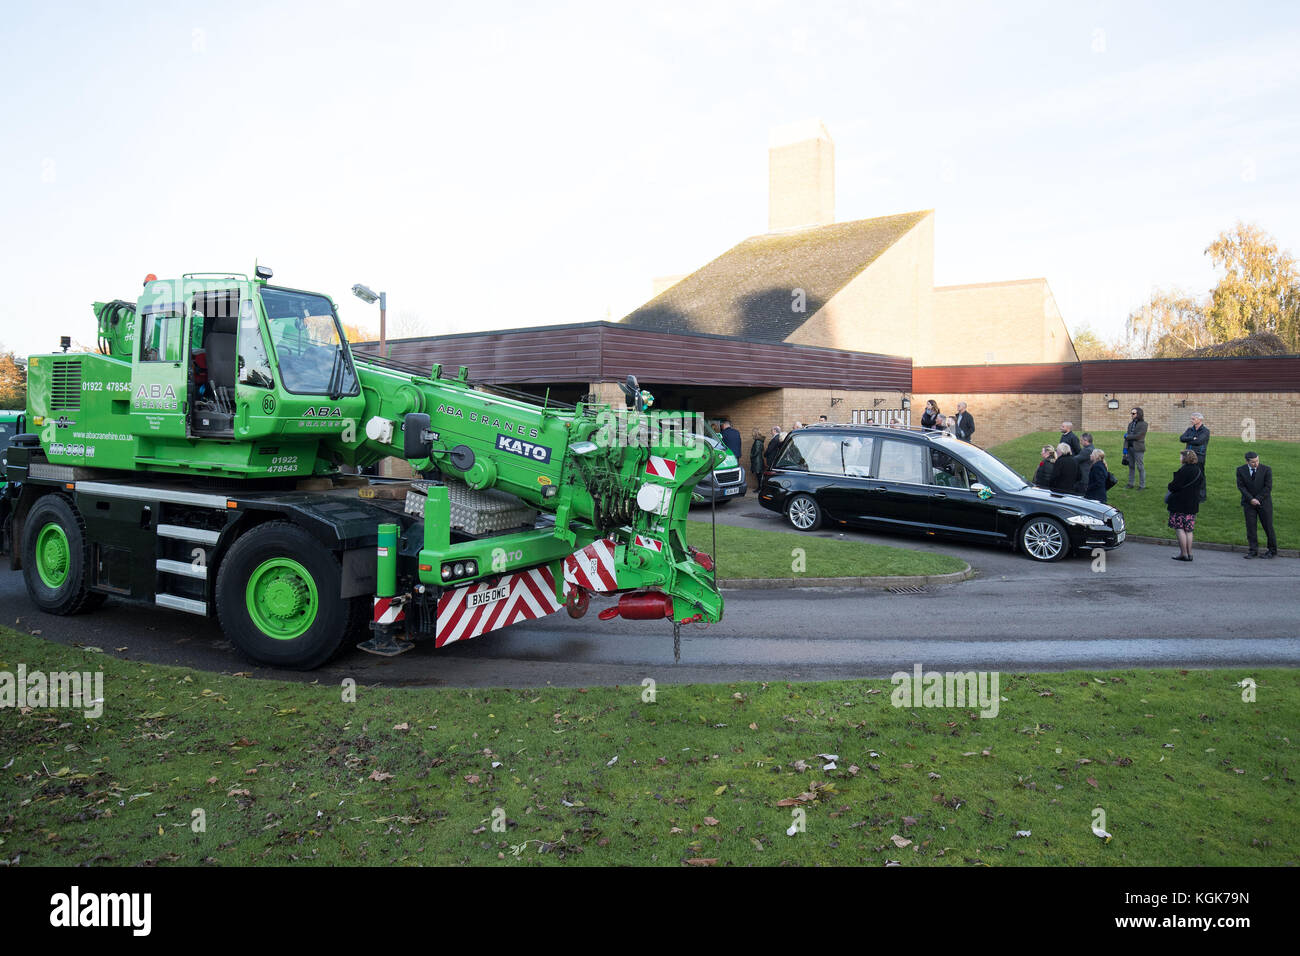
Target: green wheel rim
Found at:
x=281, y=598
x=53, y=555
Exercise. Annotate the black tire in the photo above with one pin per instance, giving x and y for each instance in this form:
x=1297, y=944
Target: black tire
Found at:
x=323, y=636
x=71, y=595
x=1044, y=539
x=803, y=512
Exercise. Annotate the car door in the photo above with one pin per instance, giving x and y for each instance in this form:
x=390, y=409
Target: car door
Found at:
x=954, y=507
x=897, y=495
x=846, y=485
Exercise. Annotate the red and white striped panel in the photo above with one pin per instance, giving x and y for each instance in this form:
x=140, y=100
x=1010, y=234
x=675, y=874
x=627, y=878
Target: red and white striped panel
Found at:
x=389, y=610
x=593, y=567
x=474, y=610
x=661, y=467
x=649, y=543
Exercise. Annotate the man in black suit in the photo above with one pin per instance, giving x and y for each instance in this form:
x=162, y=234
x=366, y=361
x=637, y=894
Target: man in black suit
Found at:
x=1255, y=482
x=1197, y=439
x=1069, y=437
x=964, y=424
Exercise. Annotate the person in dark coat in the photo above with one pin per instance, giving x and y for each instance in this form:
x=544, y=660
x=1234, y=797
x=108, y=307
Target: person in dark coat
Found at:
x=1083, y=458
x=731, y=437
x=1183, y=502
x=1135, y=447
x=1255, y=482
x=963, y=425
x=756, y=457
x=1066, y=471
x=1043, y=474
x=1098, y=477
x=773, y=443
x=1069, y=437
x=930, y=414
x=1197, y=439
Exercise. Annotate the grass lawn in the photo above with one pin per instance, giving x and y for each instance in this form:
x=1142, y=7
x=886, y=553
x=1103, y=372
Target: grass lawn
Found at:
x=747, y=553
x=1184, y=770
x=1220, y=518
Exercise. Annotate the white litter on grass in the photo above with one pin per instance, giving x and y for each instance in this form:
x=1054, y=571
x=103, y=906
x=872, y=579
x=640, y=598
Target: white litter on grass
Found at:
x=1098, y=831
x=794, y=828
x=831, y=766
x=495, y=764
x=830, y=757
x=613, y=760
x=1024, y=833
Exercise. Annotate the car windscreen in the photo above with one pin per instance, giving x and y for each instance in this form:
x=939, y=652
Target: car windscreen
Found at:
x=990, y=469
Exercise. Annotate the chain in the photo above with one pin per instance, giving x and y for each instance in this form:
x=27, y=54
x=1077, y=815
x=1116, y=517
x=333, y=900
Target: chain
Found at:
x=677, y=643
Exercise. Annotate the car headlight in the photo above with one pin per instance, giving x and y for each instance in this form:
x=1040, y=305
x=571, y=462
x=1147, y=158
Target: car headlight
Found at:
x=1087, y=521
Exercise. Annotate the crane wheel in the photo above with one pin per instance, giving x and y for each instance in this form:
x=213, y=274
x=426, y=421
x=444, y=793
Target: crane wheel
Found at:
x=278, y=598
x=56, y=557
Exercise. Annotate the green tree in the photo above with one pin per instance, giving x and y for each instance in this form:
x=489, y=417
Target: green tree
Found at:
x=1170, y=324
x=1260, y=288
x=13, y=382
x=1090, y=346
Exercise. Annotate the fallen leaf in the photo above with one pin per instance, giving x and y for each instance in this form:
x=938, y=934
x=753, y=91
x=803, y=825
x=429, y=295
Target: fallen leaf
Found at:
x=402, y=726
x=380, y=776
x=899, y=841
x=469, y=777
x=701, y=861
x=710, y=821
x=1092, y=783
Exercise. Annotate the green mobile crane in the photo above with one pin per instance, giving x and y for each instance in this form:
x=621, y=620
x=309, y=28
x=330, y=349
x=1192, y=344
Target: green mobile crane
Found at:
x=197, y=462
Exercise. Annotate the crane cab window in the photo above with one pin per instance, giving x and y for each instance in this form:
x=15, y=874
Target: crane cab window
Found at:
x=162, y=336
x=308, y=343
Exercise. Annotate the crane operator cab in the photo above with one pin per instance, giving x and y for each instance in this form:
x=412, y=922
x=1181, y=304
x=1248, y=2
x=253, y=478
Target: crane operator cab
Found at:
x=202, y=344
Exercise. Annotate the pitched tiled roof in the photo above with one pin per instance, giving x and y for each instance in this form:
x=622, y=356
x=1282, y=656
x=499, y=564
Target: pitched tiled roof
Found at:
x=747, y=291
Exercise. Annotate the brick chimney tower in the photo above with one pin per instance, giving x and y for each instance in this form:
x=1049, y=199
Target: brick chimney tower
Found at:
x=801, y=177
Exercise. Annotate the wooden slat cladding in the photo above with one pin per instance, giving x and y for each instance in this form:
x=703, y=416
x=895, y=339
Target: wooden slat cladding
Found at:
x=1264, y=374
x=563, y=354
x=718, y=360
x=1058, y=378
x=598, y=351
x=1280, y=374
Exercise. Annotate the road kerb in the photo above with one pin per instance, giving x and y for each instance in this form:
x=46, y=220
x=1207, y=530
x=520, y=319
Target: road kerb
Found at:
x=877, y=581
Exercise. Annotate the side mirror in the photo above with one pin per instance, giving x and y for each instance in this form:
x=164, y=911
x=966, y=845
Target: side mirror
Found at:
x=416, y=442
x=631, y=392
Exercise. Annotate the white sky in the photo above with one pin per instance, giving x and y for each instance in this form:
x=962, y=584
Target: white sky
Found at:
x=510, y=164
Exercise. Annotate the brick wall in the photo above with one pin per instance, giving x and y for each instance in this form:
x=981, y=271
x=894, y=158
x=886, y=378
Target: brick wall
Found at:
x=1001, y=417
x=1275, y=415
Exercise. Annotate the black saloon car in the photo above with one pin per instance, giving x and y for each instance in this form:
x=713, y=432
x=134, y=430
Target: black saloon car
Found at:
x=919, y=481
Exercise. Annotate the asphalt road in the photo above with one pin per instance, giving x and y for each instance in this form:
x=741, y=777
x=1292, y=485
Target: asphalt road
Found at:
x=1143, y=610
